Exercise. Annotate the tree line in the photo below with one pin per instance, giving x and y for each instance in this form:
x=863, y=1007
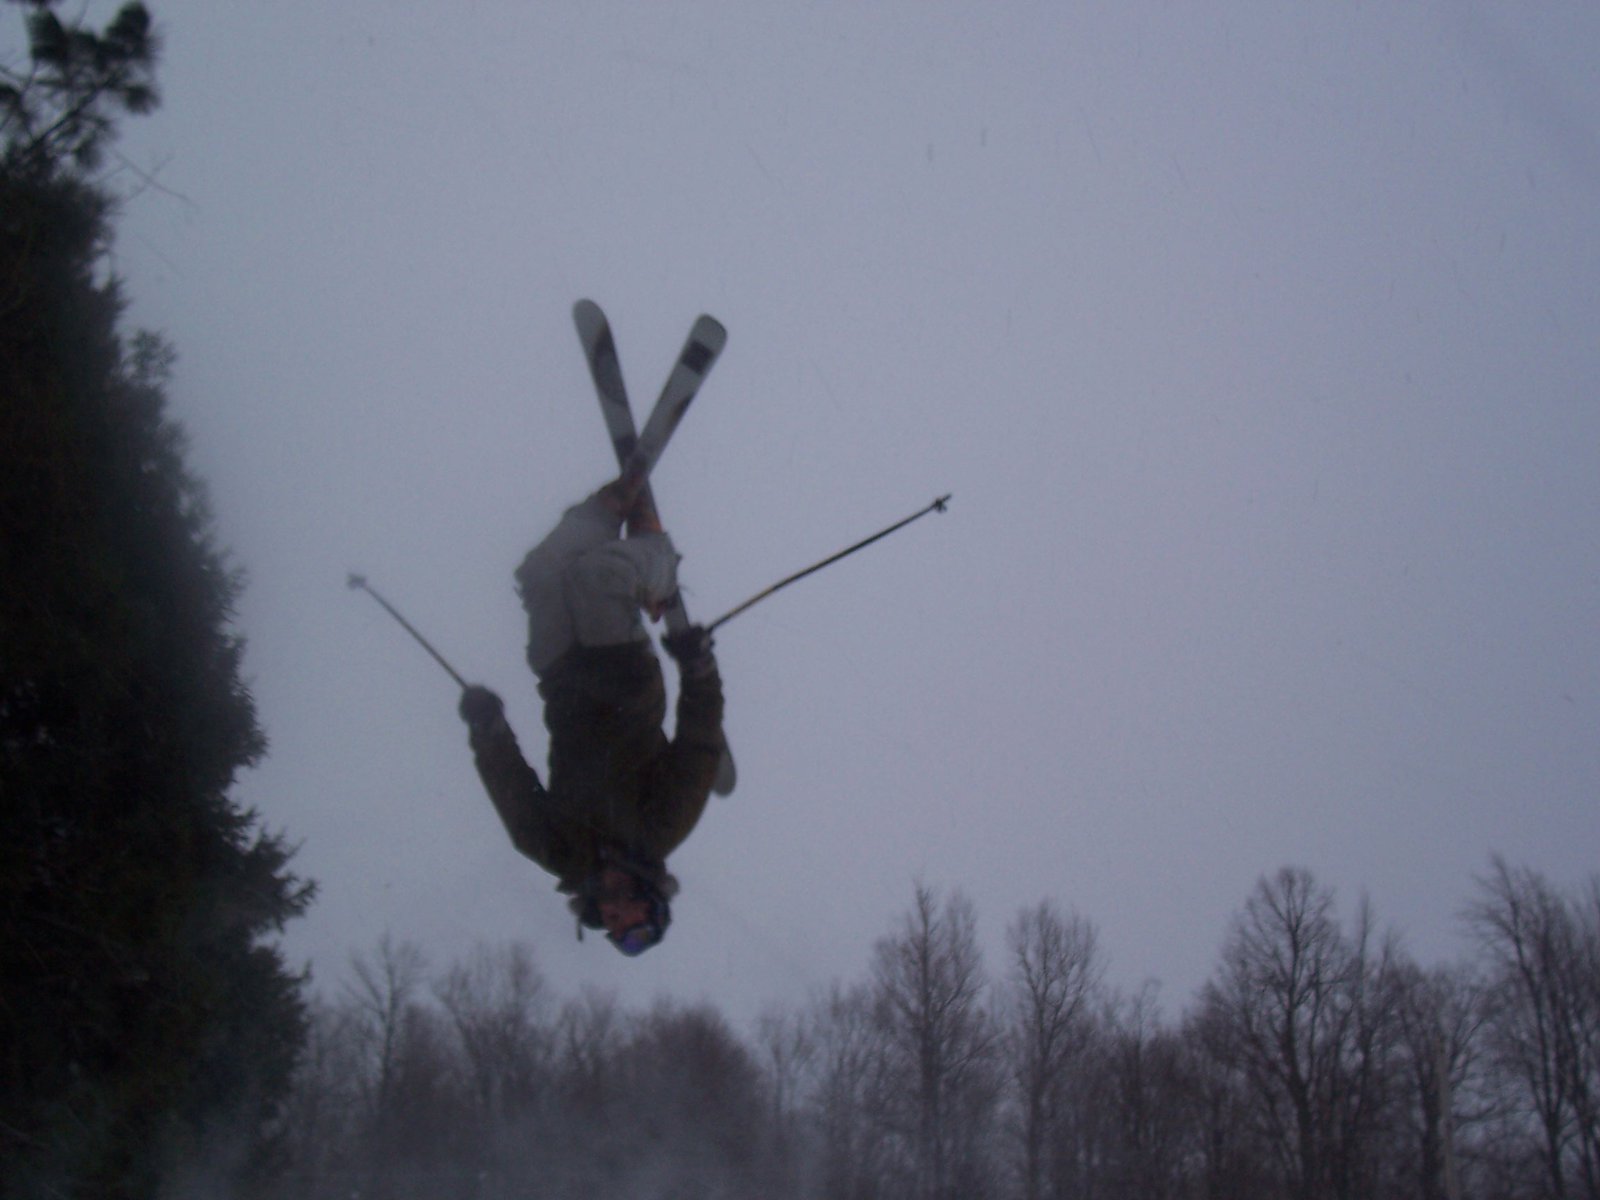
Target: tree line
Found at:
x=1318, y=1062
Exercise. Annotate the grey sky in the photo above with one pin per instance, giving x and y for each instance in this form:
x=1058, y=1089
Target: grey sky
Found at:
x=1257, y=343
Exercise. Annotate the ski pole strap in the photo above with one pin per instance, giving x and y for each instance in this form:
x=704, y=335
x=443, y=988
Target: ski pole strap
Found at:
x=359, y=582
x=938, y=505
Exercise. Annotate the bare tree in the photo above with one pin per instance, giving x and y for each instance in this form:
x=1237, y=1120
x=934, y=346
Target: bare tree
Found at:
x=1306, y=1017
x=322, y=1114
x=1544, y=1016
x=1149, y=1084
x=929, y=986
x=849, y=1080
x=1236, y=1161
x=495, y=1003
x=1584, y=974
x=1269, y=1008
x=419, y=1127
x=694, y=1102
x=1365, y=1064
x=1439, y=1012
x=383, y=991
x=431, y=1129
x=788, y=1052
x=588, y=1040
x=1054, y=975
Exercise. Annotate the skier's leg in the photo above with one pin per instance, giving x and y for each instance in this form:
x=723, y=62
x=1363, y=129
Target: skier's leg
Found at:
x=583, y=585
x=605, y=588
x=586, y=525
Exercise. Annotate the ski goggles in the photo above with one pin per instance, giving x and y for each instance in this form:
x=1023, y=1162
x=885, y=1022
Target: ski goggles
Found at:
x=635, y=941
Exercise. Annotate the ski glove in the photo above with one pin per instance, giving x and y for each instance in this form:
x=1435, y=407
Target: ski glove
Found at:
x=481, y=708
x=691, y=649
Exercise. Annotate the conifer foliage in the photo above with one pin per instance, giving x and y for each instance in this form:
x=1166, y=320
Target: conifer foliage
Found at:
x=148, y=1024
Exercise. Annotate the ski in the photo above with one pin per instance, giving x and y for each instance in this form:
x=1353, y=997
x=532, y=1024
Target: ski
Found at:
x=700, y=350
x=600, y=352
x=641, y=451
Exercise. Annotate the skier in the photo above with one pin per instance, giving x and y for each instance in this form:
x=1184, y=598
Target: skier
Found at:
x=621, y=796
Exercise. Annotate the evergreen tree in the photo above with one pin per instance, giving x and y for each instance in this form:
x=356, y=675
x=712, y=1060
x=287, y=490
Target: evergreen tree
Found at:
x=148, y=1026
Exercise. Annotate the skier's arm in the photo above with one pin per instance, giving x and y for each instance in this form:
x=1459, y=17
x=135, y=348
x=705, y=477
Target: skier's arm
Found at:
x=688, y=771
x=513, y=785
x=700, y=705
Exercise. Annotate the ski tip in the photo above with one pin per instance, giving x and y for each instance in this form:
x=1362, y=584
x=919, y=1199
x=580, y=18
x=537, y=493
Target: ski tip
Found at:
x=709, y=330
x=727, y=775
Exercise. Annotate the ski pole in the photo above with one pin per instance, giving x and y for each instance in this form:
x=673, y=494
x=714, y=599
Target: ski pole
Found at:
x=937, y=506
x=359, y=583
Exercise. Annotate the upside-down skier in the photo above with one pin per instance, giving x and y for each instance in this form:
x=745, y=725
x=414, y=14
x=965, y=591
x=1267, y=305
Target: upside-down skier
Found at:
x=621, y=796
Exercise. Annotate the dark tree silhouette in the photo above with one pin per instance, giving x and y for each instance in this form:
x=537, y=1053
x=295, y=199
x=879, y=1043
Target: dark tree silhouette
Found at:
x=147, y=1023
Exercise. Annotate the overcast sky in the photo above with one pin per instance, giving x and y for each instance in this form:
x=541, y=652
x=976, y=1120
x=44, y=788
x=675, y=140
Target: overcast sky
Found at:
x=1257, y=343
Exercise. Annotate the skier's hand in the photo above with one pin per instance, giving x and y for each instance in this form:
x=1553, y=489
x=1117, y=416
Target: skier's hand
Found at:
x=691, y=649
x=481, y=708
